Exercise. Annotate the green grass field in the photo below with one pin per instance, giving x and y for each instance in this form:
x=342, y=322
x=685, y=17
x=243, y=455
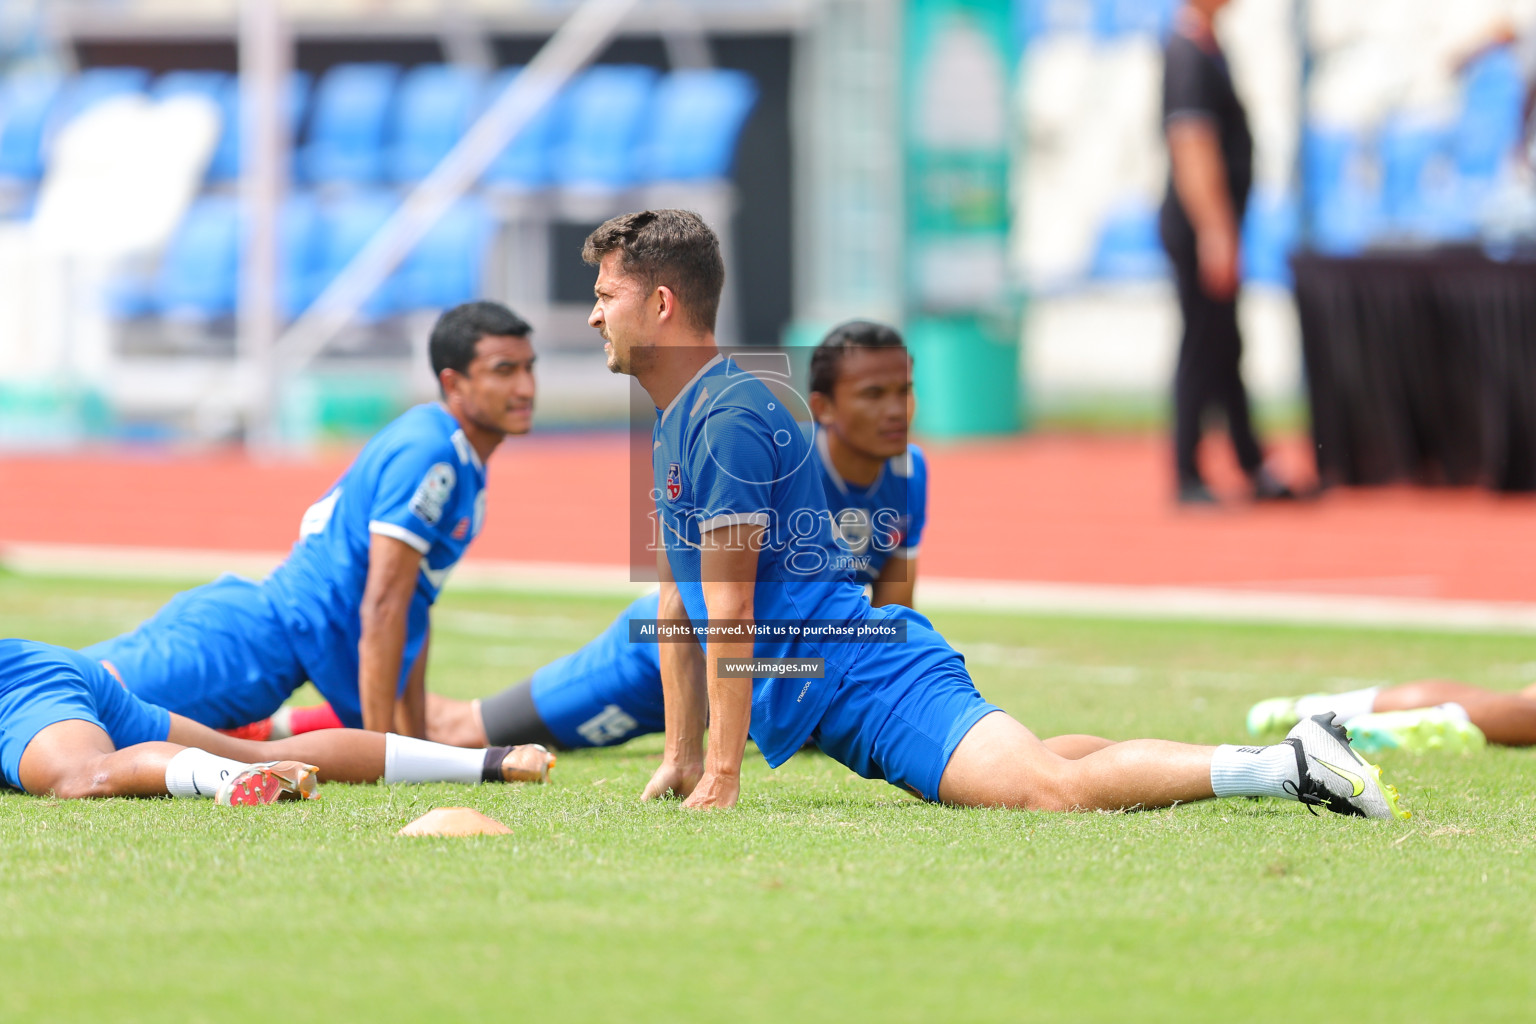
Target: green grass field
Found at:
x=823, y=897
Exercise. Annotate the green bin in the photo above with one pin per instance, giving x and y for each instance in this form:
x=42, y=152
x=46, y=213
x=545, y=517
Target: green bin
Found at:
x=333, y=406
x=966, y=373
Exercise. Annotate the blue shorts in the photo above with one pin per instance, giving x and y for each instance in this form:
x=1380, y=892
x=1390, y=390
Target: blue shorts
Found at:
x=607, y=692
x=43, y=685
x=901, y=709
x=218, y=654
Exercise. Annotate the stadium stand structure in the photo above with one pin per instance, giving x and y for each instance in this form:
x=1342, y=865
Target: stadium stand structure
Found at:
x=1396, y=175
x=618, y=137
x=373, y=127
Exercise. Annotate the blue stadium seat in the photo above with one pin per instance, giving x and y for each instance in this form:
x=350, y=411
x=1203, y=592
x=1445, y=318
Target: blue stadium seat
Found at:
x=436, y=105
x=1346, y=220
x=448, y=266
x=1448, y=208
x=527, y=161
x=345, y=226
x=1129, y=248
x=220, y=88
x=90, y=87
x=1408, y=150
x=1490, y=120
x=129, y=295
x=1327, y=157
x=698, y=118
x=1115, y=18
x=1048, y=17
x=1345, y=208
x=198, y=276
x=226, y=158
x=347, y=128
x=298, y=245
x=1269, y=234
x=196, y=83
x=25, y=103
x=607, y=116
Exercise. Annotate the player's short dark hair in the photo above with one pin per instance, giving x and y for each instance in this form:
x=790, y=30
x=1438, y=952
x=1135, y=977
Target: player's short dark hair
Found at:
x=459, y=330
x=827, y=359
x=666, y=247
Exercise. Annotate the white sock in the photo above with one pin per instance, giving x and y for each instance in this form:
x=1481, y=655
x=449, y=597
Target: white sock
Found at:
x=194, y=772
x=1450, y=709
x=407, y=759
x=1343, y=705
x=1454, y=710
x=282, y=723
x=1254, y=771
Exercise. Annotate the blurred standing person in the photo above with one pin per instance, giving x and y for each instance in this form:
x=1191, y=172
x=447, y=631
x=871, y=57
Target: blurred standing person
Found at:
x=1210, y=163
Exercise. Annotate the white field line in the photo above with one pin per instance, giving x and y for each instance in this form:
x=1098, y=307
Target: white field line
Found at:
x=1221, y=605
x=186, y=565
x=1074, y=599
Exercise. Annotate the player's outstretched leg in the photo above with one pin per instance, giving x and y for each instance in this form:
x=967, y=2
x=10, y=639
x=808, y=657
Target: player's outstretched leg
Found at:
x=290, y=721
x=1076, y=744
x=1000, y=763
x=458, y=723
x=353, y=755
x=455, y=722
x=76, y=760
x=1445, y=714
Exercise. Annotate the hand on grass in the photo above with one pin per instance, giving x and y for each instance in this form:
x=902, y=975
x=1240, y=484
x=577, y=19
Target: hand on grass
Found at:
x=714, y=791
x=1219, y=268
x=676, y=779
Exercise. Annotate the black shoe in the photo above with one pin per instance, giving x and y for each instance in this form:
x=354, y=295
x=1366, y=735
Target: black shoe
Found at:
x=1195, y=493
x=1268, y=487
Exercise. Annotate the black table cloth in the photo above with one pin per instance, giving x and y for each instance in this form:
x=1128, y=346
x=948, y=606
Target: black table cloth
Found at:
x=1421, y=366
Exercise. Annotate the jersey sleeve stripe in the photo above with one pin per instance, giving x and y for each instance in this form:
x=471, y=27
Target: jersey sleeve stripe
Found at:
x=400, y=533
x=1189, y=114
x=734, y=519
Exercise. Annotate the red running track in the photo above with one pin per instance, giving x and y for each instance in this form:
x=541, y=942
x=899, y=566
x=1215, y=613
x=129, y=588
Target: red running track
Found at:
x=1049, y=508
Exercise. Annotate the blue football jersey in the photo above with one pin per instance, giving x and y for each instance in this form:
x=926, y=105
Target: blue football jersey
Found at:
x=419, y=481
x=727, y=451
x=885, y=520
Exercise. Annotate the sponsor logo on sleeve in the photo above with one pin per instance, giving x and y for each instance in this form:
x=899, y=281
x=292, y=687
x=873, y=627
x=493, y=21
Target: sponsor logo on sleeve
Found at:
x=674, y=481
x=318, y=516
x=461, y=528
x=430, y=497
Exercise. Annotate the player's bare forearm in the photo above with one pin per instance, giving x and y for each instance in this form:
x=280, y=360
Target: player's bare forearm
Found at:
x=897, y=583
x=730, y=708
x=1199, y=175
x=730, y=582
x=683, y=700
x=411, y=708
x=385, y=611
x=683, y=687
x=379, y=654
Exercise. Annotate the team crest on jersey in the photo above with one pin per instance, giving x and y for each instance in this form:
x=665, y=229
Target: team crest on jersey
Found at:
x=461, y=529
x=430, y=497
x=674, y=481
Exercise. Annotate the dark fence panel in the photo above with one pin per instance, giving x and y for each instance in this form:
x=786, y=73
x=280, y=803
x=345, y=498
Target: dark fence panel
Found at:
x=1421, y=367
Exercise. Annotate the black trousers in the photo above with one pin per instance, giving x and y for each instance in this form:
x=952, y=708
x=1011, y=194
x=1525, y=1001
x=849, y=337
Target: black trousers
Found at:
x=1208, y=375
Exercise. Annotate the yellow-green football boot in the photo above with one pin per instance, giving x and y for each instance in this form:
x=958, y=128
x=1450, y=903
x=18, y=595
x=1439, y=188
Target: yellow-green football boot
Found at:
x=1275, y=715
x=1445, y=727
